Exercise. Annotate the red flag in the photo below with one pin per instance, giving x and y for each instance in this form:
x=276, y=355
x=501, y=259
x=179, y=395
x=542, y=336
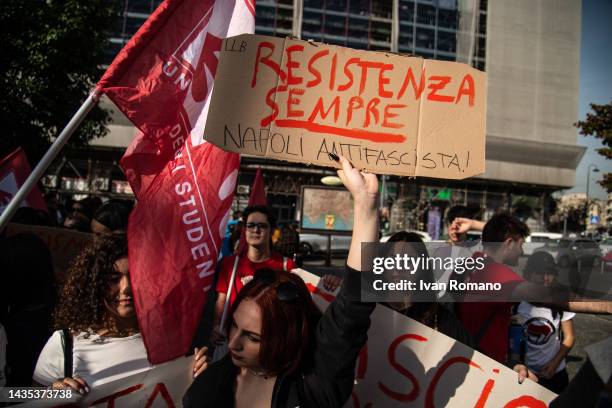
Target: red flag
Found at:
x=257, y=197
x=14, y=170
x=162, y=81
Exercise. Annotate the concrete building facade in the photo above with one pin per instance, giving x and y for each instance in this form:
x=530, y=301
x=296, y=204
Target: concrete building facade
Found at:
x=530, y=50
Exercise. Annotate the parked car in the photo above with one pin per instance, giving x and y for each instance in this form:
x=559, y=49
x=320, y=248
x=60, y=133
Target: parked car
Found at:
x=317, y=243
x=538, y=239
x=568, y=252
x=474, y=235
x=606, y=245
x=424, y=236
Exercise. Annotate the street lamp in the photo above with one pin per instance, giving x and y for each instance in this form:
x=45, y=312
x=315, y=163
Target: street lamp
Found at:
x=586, y=208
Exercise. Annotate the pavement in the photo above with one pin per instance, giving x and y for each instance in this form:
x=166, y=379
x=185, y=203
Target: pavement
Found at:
x=588, y=329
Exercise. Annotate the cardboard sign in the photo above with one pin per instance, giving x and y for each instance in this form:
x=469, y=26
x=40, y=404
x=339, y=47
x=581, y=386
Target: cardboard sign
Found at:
x=64, y=244
x=389, y=114
x=405, y=363
x=162, y=386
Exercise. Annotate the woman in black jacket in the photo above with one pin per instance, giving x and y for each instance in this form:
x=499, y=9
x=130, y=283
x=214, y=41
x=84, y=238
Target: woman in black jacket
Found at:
x=281, y=353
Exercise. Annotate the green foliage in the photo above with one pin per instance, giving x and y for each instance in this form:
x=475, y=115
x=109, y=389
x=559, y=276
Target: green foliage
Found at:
x=524, y=207
x=599, y=124
x=52, y=52
x=571, y=210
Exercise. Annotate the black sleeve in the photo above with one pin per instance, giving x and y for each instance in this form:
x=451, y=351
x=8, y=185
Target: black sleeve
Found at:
x=583, y=391
x=341, y=334
x=450, y=325
x=187, y=399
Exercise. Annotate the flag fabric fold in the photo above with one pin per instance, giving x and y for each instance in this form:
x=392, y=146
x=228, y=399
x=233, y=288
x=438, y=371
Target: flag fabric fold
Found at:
x=14, y=171
x=162, y=81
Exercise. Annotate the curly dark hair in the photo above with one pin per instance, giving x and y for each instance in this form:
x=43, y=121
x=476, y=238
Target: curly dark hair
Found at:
x=82, y=306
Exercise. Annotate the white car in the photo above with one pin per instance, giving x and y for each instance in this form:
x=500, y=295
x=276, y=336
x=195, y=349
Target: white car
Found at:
x=538, y=240
x=317, y=243
x=424, y=236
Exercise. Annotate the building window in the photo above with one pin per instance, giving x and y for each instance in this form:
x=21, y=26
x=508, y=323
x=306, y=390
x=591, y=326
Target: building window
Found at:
x=335, y=26
x=448, y=18
x=381, y=31
x=312, y=22
x=447, y=41
x=317, y=4
x=425, y=38
x=265, y=18
x=406, y=38
x=382, y=9
x=140, y=6
x=336, y=5
x=426, y=14
x=132, y=24
x=358, y=30
x=360, y=7
x=406, y=11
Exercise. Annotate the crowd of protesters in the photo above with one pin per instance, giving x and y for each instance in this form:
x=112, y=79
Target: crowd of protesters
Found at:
x=274, y=347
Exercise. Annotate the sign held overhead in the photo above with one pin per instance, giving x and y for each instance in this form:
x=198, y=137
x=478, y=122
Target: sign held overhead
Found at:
x=389, y=114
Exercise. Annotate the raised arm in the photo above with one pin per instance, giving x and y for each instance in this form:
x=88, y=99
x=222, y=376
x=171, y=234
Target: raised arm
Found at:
x=364, y=189
x=342, y=331
x=462, y=225
x=560, y=298
x=586, y=305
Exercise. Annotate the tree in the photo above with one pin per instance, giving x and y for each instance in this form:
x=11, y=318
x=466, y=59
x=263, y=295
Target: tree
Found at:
x=52, y=55
x=523, y=207
x=569, y=208
x=599, y=125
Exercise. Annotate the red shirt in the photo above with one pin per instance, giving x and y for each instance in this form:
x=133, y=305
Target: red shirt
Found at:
x=494, y=342
x=246, y=269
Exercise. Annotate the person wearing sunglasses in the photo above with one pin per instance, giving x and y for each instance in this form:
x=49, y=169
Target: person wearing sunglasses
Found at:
x=258, y=255
x=282, y=352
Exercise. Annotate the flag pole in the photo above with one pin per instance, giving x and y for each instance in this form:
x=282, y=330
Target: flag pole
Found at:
x=216, y=355
x=48, y=158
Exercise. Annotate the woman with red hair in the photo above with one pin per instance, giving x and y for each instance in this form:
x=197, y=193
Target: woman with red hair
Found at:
x=282, y=352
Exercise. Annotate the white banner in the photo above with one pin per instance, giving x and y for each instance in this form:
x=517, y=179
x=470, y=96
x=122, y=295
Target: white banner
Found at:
x=162, y=386
x=405, y=363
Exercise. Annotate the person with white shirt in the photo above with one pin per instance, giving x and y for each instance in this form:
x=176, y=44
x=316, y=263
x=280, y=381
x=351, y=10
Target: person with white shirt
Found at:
x=549, y=333
x=98, y=339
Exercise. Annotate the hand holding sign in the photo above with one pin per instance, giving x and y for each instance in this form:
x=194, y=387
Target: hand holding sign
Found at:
x=200, y=361
x=524, y=373
x=363, y=186
x=74, y=383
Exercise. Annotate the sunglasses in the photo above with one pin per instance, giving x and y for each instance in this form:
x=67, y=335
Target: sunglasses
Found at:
x=259, y=225
x=285, y=291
